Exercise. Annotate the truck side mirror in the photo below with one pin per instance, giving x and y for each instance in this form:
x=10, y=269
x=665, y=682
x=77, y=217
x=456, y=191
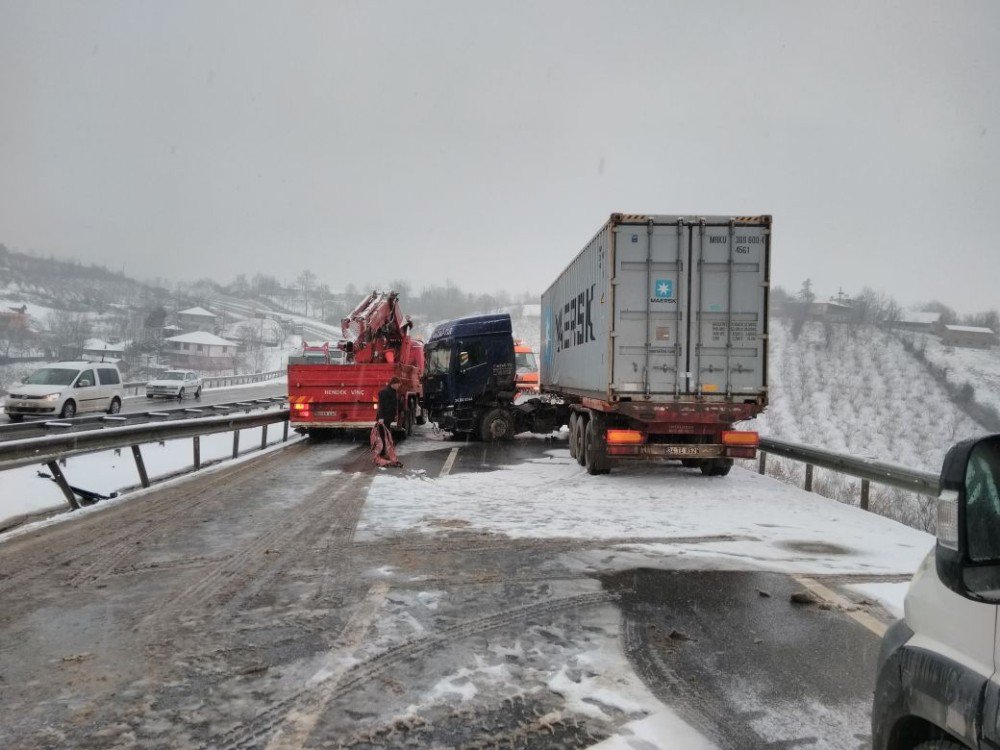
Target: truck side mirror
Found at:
x=968, y=522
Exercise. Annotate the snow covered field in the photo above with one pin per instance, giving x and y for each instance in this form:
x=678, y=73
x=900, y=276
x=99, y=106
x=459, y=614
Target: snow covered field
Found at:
x=859, y=392
x=980, y=368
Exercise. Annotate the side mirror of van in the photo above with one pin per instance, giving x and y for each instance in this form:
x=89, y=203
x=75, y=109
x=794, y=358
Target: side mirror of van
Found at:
x=968, y=520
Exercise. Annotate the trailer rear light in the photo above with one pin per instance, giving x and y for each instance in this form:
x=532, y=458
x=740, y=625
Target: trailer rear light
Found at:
x=300, y=407
x=625, y=437
x=738, y=437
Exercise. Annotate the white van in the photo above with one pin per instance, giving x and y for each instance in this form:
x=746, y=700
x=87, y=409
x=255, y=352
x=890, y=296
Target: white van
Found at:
x=937, y=685
x=66, y=389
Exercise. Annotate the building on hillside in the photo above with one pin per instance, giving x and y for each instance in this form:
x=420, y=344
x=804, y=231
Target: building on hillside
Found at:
x=201, y=350
x=831, y=311
x=171, y=330
x=918, y=321
x=15, y=317
x=969, y=336
x=263, y=330
x=97, y=350
x=197, y=319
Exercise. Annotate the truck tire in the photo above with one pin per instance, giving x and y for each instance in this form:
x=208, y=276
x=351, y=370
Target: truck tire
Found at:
x=595, y=455
x=573, y=426
x=581, y=439
x=498, y=424
x=716, y=467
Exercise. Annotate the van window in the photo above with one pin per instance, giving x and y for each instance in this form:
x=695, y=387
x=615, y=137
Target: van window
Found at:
x=109, y=376
x=52, y=376
x=982, y=477
x=87, y=375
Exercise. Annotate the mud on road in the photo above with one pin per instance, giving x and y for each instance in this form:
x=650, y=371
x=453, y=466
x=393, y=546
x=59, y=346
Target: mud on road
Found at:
x=241, y=609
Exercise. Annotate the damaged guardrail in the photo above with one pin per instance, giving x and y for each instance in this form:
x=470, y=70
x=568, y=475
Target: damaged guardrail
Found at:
x=50, y=449
x=866, y=469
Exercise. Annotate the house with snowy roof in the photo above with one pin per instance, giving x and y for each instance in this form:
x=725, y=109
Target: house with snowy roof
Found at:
x=197, y=319
x=972, y=337
x=201, y=350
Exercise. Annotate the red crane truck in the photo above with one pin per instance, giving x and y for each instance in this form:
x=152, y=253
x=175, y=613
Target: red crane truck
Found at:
x=336, y=387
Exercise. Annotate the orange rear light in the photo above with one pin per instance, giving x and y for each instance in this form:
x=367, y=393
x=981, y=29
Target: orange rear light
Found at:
x=625, y=437
x=300, y=407
x=738, y=437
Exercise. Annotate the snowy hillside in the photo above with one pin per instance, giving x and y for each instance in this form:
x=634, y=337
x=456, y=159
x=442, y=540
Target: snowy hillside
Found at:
x=980, y=368
x=856, y=390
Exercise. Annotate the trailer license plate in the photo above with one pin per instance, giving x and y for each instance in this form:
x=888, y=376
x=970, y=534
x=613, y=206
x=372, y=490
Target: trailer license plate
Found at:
x=684, y=450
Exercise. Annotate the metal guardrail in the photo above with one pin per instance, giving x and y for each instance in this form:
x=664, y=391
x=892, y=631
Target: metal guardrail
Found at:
x=866, y=469
x=37, y=427
x=216, y=381
x=50, y=449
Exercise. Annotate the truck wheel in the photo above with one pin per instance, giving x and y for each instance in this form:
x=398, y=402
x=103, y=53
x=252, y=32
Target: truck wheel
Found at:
x=581, y=439
x=716, y=467
x=497, y=425
x=595, y=456
x=574, y=425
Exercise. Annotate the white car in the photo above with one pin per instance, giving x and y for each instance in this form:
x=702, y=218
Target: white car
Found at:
x=175, y=384
x=66, y=389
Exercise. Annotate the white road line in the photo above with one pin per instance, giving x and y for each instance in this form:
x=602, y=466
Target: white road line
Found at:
x=300, y=721
x=852, y=610
x=448, y=463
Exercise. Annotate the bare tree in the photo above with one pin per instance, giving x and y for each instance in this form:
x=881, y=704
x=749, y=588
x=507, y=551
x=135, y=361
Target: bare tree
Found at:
x=68, y=332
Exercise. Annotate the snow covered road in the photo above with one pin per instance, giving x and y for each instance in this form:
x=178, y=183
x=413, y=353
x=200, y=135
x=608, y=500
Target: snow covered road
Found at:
x=483, y=596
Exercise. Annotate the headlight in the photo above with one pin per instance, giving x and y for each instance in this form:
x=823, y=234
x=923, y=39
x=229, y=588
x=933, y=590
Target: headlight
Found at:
x=53, y=397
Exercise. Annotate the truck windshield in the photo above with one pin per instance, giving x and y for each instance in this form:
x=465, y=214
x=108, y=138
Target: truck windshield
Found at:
x=526, y=362
x=438, y=361
x=52, y=376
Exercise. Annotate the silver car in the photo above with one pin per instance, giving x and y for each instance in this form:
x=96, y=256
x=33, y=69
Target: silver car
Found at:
x=175, y=384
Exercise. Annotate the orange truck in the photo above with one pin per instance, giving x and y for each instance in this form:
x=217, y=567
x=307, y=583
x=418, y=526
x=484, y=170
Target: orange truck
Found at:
x=335, y=387
x=526, y=370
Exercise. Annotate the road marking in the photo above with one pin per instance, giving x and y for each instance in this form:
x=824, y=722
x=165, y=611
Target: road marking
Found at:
x=299, y=722
x=852, y=610
x=448, y=463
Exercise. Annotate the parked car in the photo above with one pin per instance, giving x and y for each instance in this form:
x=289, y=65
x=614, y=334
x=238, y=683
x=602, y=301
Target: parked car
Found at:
x=937, y=686
x=175, y=384
x=65, y=389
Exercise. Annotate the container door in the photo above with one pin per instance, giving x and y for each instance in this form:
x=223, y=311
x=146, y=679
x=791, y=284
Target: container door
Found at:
x=650, y=336
x=728, y=308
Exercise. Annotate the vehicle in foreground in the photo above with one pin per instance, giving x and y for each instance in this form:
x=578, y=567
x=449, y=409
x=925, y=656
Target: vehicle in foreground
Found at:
x=335, y=387
x=65, y=389
x=654, y=345
x=175, y=384
x=937, y=684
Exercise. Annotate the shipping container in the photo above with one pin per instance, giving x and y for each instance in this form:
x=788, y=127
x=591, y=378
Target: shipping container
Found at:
x=662, y=309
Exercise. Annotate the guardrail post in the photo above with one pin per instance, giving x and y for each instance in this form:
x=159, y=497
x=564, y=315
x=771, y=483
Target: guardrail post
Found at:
x=809, y=477
x=236, y=443
x=196, y=441
x=141, y=466
x=63, y=485
x=263, y=437
x=284, y=432
x=865, y=491
x=762, y=467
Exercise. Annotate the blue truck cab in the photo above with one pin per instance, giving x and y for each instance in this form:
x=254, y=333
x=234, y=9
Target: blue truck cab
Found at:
x=469, y=376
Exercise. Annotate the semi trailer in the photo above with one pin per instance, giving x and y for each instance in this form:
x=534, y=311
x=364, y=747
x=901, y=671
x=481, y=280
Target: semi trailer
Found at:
x=653, y=346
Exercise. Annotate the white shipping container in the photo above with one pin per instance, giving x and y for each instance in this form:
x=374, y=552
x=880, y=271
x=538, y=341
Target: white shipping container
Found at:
x=662, y=308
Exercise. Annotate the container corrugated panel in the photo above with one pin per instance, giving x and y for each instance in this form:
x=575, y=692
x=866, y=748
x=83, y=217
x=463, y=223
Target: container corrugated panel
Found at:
x=661, y=308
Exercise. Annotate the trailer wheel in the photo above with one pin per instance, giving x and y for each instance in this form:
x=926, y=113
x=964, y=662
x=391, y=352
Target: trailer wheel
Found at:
x=581, y=439
x=574, y=424
x=716, y=467
x=594, y=449
x=498, y=424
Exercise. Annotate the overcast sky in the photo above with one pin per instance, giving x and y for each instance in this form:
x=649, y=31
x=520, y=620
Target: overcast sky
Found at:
x=486, y=142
